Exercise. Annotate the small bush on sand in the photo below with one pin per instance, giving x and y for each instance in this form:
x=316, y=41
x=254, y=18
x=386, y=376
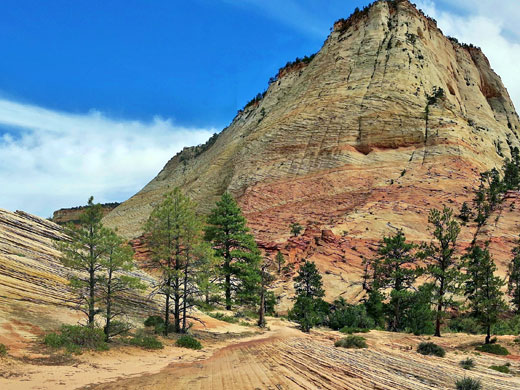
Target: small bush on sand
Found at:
x=429, y=348
x=145, y=341
x=495, y=349
x=153, y=321
x=351, y=342
x=75, y=338
x=3, y=350
x=223, y=317
x=468, y=384
x=467, y=364
x=504, y=368
x=188, y=342
x=350, y=330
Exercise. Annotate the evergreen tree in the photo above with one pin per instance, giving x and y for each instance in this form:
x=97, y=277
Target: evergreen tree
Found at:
x=168, y=235
x=236, y=248
x=280, y=260
x=465, y=212
x=396, y=269
x=513, y=285
x=511, y=171
x=418, y=313
x=84, y=252
x=309, y=308
x=483, y=288
x=296, y=229
x=442, y=264
x=266, y=279
x=115, y=281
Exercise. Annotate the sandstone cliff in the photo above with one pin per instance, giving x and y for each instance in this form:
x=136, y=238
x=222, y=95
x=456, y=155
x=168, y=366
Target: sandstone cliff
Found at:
x=72, y=214
x=388, y=120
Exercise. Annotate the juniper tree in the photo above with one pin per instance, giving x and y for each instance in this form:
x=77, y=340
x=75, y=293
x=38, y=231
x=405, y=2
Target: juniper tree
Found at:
x=513, y=275
x=83, y=252
x=236, y=249
x=309, y=308
x=483, y=288
x=115, y=281
x=442, y=266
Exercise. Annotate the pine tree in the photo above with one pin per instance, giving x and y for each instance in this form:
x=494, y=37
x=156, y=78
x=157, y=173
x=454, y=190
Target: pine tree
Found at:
x=280, y=260
x=309, y=309
x=167, y=234
x=397, y=270
x=236, y=248
x=465, y=212
x=296, y=229
x=115, y=281
x=483, y=288
x=266, y=279
x=442, y=264
x=84, y=252
x=513, y=285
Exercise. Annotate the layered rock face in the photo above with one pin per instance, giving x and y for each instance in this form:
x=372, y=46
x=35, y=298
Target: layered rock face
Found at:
x=388, y=120
x=64, y=216
x=34, y=292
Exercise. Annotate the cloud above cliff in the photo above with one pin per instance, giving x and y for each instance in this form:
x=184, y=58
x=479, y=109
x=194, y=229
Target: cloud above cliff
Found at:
x=488, y=24
x=51, y=159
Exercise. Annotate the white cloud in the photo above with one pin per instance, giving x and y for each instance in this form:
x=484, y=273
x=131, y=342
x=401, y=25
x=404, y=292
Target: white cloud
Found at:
x=51, y=159
x=490, y=25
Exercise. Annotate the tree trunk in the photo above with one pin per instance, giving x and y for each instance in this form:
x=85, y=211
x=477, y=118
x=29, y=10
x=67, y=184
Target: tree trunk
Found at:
x=177, y=306
x=488, y=334
x=185, y=295
x=91, y=300
x=167, y=309
x=228, y=285
x=109, y=306
x=261, y=312
x=439, y=310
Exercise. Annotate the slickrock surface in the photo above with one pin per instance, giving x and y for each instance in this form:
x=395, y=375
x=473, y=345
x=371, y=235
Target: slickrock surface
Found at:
x=33, y=284
x=289, y=360
x=350, y=145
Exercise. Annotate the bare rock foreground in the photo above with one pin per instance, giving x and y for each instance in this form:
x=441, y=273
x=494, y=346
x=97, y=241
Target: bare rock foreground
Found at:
x=286, y=359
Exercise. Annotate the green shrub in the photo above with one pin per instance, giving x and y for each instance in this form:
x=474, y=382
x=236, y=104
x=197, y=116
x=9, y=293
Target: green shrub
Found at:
x=3, y=350
x=504, y=368
x=351, y=342
x=509, y=326
x=188, y=342
x=429, y=348
x=465, y=324
x=75, y=338
x=495, y=349
x=349, y=330
x=223, y=317
x=119, y=328
x=467, y=364
x=159, y=328
x=153, y=321
x=343, y=315
x=468, y=384
x=145, y=341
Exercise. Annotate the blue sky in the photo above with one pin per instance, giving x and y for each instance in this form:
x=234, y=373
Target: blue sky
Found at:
x=96, y=96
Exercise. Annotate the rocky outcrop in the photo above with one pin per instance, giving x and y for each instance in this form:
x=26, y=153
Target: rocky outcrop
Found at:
x=34, y=292
x=388, y=120
x=72, y=214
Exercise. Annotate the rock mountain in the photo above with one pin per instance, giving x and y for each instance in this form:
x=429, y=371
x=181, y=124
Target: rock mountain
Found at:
x=389, y=119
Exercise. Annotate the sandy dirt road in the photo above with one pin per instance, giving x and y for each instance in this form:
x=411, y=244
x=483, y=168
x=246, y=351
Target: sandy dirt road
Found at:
x=285, y=360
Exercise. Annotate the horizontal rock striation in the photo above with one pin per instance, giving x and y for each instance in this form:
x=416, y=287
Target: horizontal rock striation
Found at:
x=389, y=119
